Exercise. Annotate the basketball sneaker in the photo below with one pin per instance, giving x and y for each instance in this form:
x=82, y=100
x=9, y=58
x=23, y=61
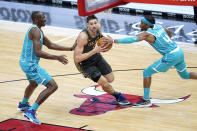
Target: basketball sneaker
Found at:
x=142, y=103
x=31, y=115
x=123, y=101
x=23, y=107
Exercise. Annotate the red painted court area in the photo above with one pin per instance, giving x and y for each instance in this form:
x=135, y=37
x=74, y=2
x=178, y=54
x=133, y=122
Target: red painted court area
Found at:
x=21, y=125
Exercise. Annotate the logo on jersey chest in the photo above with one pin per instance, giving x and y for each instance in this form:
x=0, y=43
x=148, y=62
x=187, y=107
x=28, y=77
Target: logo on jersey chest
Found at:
x=91, y=43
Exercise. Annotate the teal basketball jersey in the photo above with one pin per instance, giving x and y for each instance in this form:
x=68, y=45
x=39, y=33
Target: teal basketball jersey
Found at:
x=28, y=54
x=163, y=44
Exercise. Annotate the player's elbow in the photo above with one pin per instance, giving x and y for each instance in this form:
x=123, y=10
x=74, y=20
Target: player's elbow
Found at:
x=50, y=46
x=77, y=59
x=38, y=53
x=143, y=36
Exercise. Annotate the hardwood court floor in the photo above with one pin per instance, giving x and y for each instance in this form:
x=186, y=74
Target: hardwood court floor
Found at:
x=167, y=117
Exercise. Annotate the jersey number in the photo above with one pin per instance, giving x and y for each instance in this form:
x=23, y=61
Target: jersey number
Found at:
x=167, y=38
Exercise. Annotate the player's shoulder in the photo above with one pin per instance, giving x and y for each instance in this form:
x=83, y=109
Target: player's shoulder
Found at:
x=84, y=31
x=34, y=28
x=157, y=27
x=83, y=34
x=82, y=37
x=35, y=31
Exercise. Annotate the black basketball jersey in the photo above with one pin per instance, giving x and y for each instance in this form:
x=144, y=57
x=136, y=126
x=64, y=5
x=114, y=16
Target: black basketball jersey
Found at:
x=90, y=46
x=91, y=41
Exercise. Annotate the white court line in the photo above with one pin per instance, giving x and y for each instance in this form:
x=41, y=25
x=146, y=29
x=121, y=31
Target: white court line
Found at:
x=119, y=30
x=72, y=36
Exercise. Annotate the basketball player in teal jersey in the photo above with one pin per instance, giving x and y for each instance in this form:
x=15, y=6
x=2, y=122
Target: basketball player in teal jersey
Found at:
x=160, y=39
x=90, y=62
x=30, y=57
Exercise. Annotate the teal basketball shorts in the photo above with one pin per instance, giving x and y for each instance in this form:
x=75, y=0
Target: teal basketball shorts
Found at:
x=35, y=73
x=169, y=60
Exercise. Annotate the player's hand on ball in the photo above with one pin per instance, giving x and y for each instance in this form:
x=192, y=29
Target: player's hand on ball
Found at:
x=108, y=39
x=99, y=49
x=105, y=43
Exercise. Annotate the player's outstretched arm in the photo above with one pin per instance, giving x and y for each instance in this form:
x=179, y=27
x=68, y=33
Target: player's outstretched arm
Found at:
x=129, y=40
x=35, y=37
x=126, y=40
x=54, y=46
x=147, y=37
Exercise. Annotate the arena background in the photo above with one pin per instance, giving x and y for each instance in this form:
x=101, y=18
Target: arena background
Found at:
x=176, y=105
x=123, y=20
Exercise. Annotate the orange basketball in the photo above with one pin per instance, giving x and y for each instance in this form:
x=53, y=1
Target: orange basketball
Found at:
x=100, y=43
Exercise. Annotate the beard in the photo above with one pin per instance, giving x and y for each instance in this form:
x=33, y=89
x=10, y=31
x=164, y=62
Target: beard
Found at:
x=42, y=24
x=143, y=29
x=94, y=29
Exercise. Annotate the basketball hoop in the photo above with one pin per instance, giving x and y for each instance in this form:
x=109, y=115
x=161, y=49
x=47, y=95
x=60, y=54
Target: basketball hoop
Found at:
x=90, y=7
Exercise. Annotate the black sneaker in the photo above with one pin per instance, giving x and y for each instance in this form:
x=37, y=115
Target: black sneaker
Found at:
x=142, y=103
x=123, y=101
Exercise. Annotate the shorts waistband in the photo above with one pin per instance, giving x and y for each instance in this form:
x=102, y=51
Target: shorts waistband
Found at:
x=28, y=62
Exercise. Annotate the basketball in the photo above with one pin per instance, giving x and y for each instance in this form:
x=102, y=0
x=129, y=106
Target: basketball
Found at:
x=100, y=43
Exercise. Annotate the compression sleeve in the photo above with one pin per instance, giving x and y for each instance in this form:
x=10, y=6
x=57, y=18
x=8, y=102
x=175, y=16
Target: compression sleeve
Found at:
x=127, y=40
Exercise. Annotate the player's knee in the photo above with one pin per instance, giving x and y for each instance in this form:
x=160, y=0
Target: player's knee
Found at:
x=33, y=84
x=111, y=79
x=55, y=88
x=52, y=86
x=184, y=75
x=148, y=72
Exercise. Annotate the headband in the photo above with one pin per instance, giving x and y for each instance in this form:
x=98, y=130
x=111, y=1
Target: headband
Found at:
x=146, y=21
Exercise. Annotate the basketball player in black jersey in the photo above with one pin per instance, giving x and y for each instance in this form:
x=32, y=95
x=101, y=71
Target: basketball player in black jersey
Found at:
x=90, y=62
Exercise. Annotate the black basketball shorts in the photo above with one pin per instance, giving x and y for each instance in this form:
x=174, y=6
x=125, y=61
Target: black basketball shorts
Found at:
x=94, y=70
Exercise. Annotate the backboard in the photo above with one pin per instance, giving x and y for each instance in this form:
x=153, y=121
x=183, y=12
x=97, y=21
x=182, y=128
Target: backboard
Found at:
x=89, y=7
